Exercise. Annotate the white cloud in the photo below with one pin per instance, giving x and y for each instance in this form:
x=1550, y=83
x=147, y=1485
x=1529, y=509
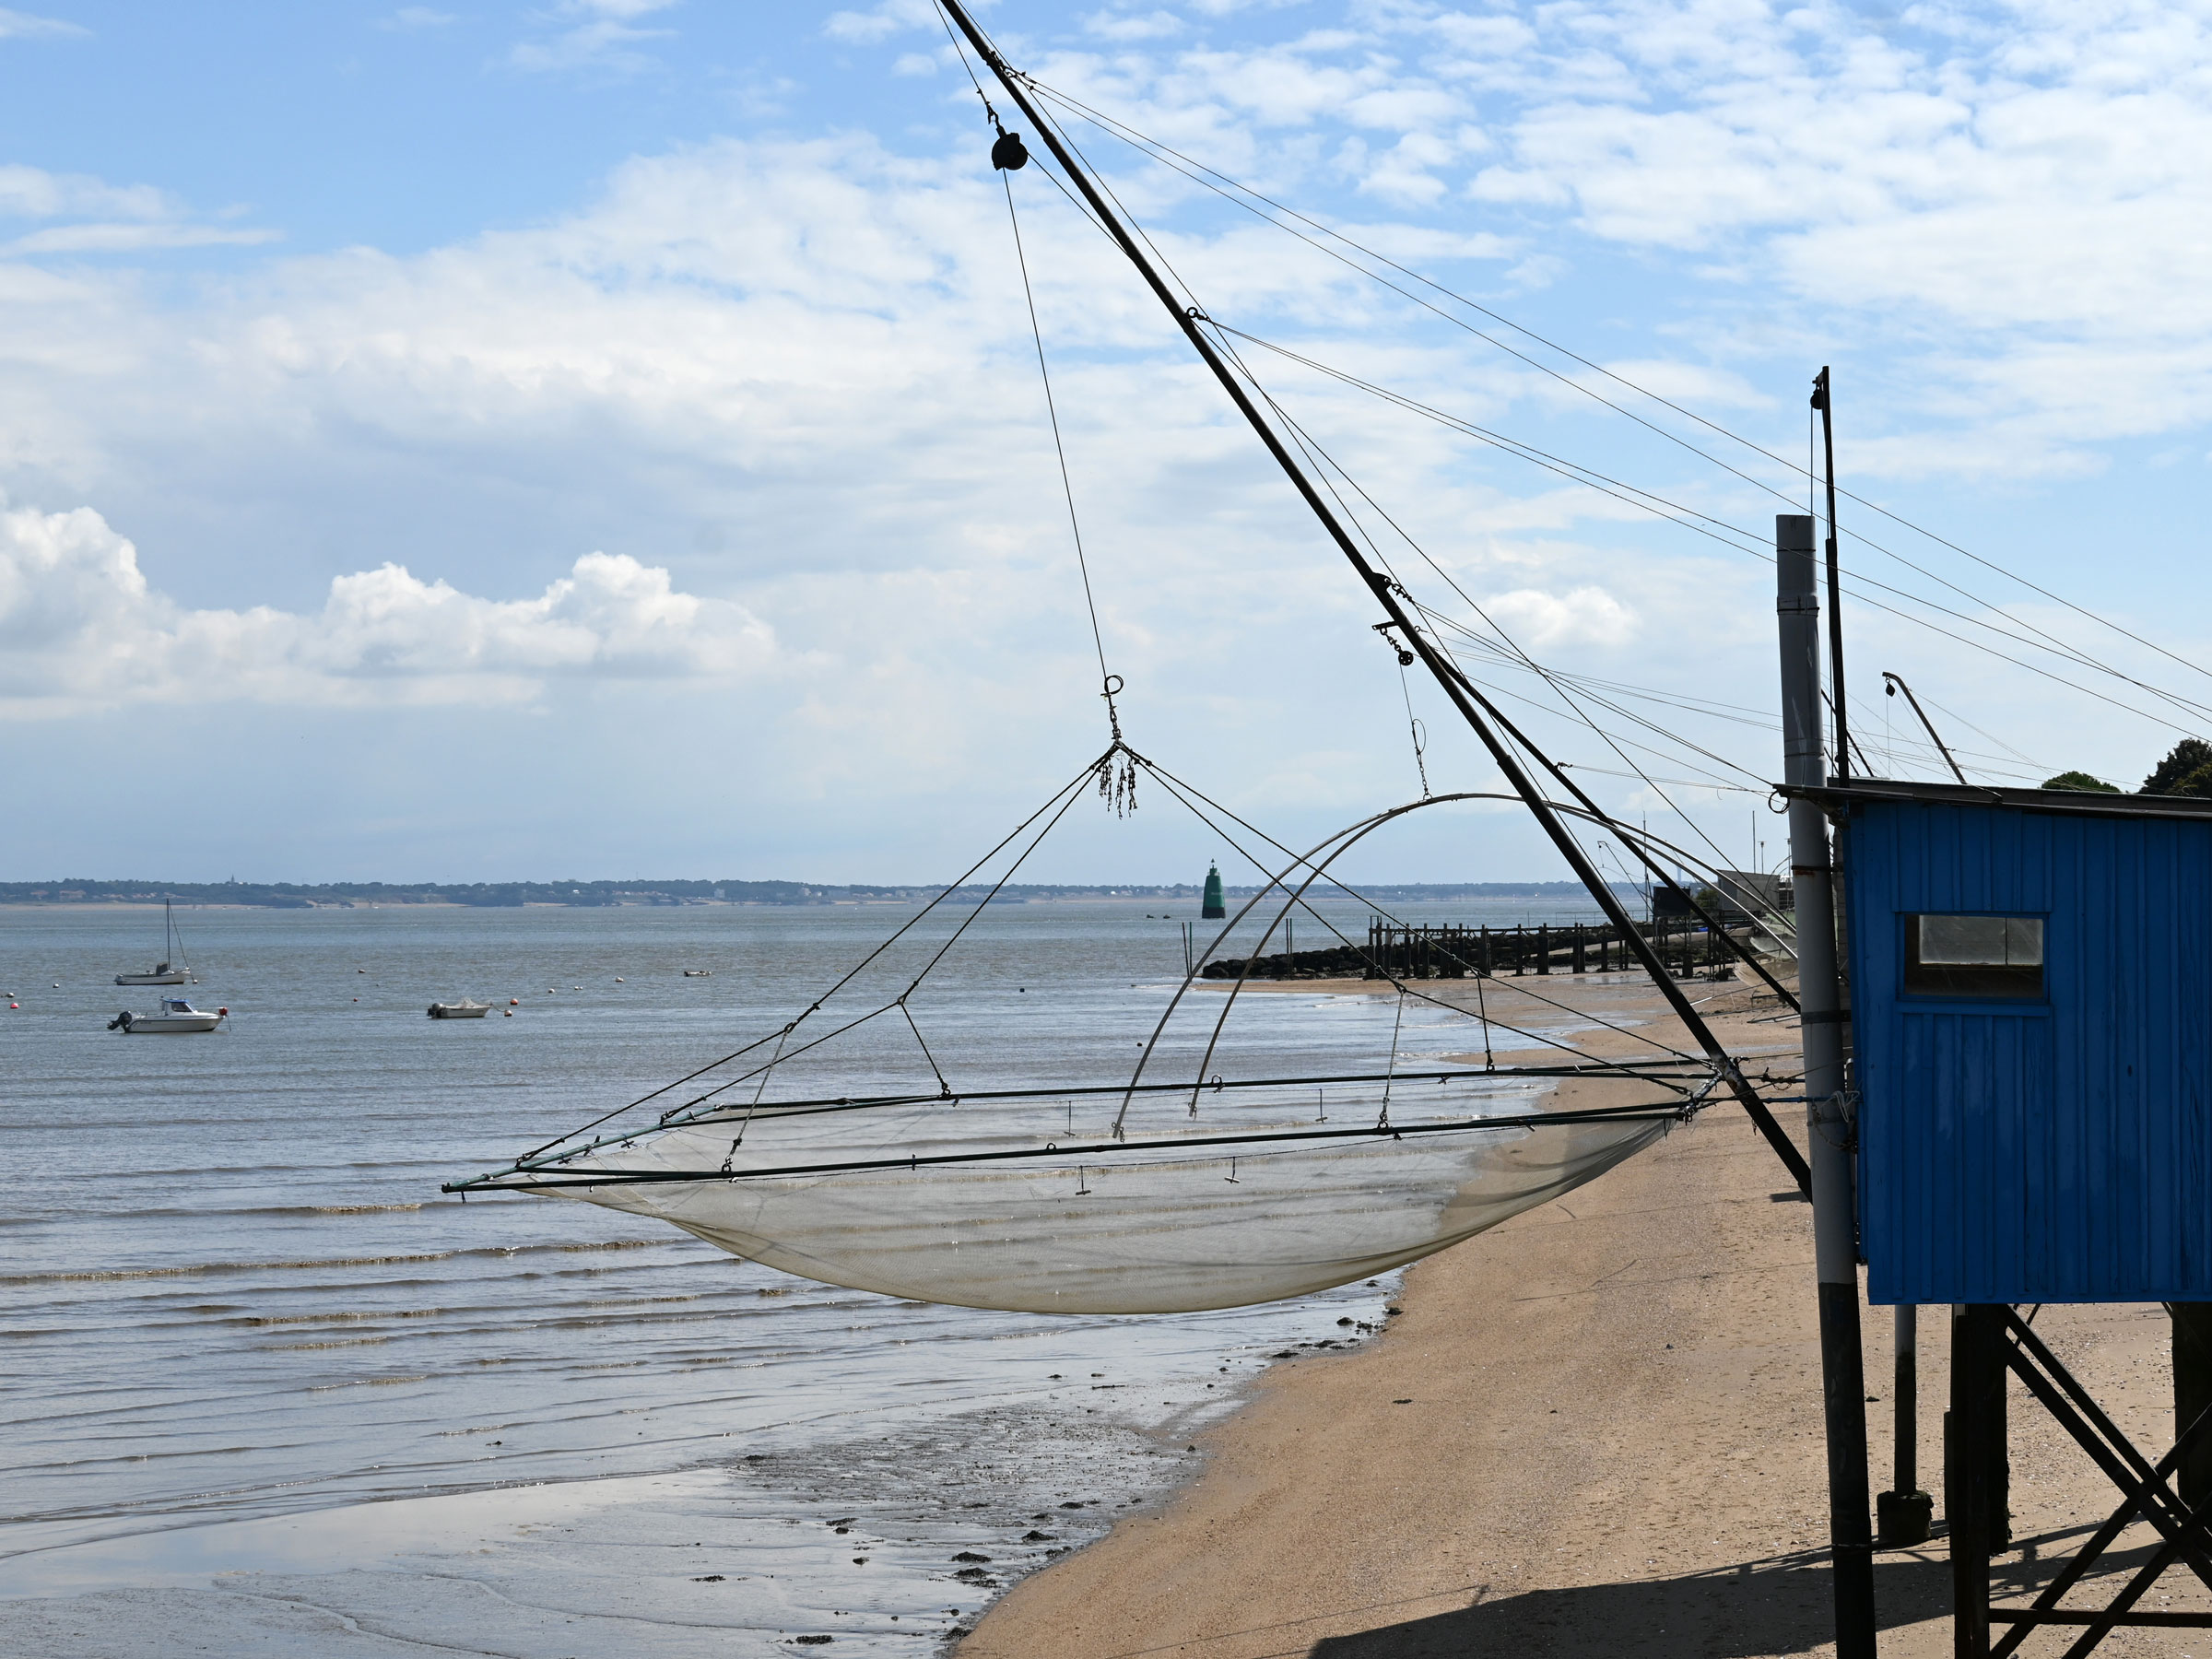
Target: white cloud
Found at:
x=797, y=376
x=1547, y=622
x=112, y=218
x=418, y=17
x=1131, y=26
x=132, y=239
x=605, y=37
x=33, y=192
x=80, y=628
x=23, y=25
x=879, y=22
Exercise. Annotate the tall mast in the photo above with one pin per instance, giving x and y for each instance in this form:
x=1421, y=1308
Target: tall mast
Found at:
x=1824, y=401
x=1462, y=695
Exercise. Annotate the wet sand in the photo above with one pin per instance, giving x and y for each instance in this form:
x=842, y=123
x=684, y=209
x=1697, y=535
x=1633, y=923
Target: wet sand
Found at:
x=1595, y=1429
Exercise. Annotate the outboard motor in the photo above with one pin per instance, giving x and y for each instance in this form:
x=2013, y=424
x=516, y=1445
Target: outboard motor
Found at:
x=122, y=1022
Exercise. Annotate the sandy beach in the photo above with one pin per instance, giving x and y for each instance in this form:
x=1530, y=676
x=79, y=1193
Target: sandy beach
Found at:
x=1594, y=1429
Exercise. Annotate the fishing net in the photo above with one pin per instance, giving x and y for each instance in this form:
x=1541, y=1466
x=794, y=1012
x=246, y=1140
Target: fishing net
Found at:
x=1168, y=1223
x=1171, y=1197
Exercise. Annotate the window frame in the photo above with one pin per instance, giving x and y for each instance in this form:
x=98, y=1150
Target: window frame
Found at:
x=1986, y=993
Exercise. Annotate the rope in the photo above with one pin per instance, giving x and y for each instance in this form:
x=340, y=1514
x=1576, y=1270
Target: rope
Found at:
x=1182, y=164
x=854, y=972
x=1116, y=786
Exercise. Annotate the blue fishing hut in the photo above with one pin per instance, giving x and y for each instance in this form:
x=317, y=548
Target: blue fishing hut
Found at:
x=2030, y=983
x=2031, y=1015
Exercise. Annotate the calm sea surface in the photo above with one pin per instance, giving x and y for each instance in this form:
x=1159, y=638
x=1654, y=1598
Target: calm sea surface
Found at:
x=249, y=1344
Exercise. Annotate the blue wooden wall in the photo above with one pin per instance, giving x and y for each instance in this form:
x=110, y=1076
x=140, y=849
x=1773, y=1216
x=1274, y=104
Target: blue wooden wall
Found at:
x=2058, y=1150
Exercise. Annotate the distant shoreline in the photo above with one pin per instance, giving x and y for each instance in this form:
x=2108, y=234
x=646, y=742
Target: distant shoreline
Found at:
x=593, y=895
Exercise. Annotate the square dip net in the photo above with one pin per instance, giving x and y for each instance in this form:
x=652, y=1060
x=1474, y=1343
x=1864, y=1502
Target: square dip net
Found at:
x=1187, y=1194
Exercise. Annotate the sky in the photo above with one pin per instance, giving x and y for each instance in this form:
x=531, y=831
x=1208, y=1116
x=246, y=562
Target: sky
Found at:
x=604, y=438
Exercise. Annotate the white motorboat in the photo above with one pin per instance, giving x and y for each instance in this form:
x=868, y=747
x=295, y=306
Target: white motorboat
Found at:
x=178, y=1018
x=464, y=1010
x=163, y=974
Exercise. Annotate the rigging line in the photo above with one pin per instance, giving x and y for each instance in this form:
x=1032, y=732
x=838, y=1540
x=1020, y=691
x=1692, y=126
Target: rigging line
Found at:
x=1396, y=1026
x=918, y=1109
x=1413, y=406
x=1335, y=847
x=2034, y=638
x=1655, y=1112
x=1583, y=766
x=1460, y=322
x=929, y=967
x=1169, y=782
x=911, y=923
x=1807, y=471
x=1331, y=466
x=960, y=52
x=2026, y=760
x=1076, y=201
x=1528, y=665
x=1676, y=754
x=2002, y=657
x=1414, y=727
x=1482, y=1013
x=944, y=1089
x=1139, y=140
x=1659, y=1072
x=1463, y=702
x=1445, y=661
x=1051, y=410
x=1705, y=707
x=1576, y=472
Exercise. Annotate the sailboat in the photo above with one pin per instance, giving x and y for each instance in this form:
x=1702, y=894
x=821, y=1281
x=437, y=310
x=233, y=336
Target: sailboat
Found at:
x=165, y=972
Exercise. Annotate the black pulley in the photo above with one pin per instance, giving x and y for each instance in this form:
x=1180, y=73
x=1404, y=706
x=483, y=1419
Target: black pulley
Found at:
x=1007, y=154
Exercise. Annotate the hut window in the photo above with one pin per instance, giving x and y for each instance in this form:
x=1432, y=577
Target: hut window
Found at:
x=1974, y=955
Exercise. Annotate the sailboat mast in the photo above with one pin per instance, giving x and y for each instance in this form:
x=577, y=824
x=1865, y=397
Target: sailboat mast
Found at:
x=1187, y=318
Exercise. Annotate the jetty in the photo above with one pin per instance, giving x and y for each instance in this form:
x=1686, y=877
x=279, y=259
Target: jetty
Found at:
x=1399, y=951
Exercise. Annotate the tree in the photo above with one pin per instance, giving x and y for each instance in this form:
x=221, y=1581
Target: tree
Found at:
x=2190, y=756
x=2081, y=779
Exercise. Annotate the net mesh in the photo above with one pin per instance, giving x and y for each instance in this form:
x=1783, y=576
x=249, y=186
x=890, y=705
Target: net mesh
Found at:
x=1157, y=1230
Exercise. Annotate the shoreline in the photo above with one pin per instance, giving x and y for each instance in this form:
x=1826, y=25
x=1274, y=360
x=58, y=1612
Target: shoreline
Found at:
x=1596, y=1429
x=1579, y=1362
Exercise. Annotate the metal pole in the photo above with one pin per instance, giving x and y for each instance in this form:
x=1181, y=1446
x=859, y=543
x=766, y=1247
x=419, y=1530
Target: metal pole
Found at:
x=1835, y=1245
x=1903, y=1515
x=1891, y=685
x=1824, y=401
x=1471, y=705
x=1907, y=1389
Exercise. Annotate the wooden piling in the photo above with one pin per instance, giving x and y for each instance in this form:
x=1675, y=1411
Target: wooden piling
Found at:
x=2193, y=1394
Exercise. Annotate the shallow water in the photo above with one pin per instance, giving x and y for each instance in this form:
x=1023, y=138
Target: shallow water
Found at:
x=250, y=1345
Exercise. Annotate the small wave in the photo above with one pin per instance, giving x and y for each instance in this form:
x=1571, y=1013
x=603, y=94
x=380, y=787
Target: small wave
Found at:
x=310, y=1264
x=299, y=1319
x=368, y=1382
x=334, y=1342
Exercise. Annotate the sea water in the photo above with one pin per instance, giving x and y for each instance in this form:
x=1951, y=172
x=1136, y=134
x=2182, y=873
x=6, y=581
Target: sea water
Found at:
x=267, y=1387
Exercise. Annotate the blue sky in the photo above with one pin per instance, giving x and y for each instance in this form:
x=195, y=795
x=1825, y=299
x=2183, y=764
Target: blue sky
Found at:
x=604, y=437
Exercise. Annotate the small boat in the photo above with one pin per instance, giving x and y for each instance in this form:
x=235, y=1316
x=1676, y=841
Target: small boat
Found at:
x=177, y=1018
x=163, y=974
x=699, y=973
x=464, y=1010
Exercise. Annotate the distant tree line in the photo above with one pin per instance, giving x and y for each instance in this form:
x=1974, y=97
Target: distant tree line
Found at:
x=286, y=894
x=2186, y=771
